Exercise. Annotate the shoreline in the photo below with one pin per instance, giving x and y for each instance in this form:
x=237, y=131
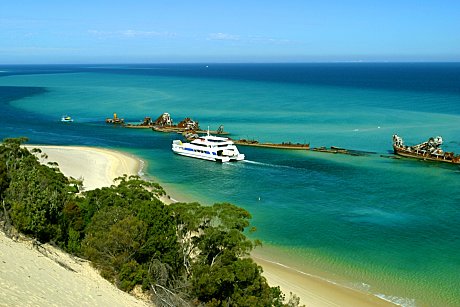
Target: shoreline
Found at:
x=313, y=289
x=99, y=166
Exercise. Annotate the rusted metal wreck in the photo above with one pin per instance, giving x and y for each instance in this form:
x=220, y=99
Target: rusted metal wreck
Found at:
x=429, y=150
x=283, y=145
x=115, y=120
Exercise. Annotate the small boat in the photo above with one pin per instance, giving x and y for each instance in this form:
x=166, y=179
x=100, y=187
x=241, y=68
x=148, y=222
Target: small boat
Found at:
x=429, y=150
x=66, y=118
x=209, y=147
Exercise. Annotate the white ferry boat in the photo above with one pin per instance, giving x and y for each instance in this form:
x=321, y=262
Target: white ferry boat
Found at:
x=209, y=147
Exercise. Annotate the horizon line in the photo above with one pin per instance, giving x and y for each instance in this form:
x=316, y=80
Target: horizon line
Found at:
x=240, y=62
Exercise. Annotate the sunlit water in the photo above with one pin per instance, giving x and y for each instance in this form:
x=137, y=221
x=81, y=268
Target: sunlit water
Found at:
x=383, y=225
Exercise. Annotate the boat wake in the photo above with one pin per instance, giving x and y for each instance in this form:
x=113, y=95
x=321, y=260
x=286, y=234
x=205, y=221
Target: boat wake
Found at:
x=269, y=164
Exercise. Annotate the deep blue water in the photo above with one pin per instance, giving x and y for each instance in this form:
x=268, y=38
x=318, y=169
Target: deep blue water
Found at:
x=389, y=224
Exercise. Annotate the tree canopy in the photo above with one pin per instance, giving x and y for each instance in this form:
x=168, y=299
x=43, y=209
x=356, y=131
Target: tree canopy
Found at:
x=184, y=254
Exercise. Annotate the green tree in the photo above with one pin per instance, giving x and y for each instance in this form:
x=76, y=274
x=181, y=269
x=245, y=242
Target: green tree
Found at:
x=234, y=282
x=138, y=199
x=4, y=180
x=112, y=239
x=12, y=152
x=35, y=195
x=190, y=220
x=183, y=252
x=216, y=250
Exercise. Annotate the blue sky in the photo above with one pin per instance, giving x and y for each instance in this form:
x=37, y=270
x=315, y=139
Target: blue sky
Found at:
x=155, y=31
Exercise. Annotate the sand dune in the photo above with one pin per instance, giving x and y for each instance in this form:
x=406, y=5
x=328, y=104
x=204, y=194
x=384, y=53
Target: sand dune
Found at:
x=45, y=276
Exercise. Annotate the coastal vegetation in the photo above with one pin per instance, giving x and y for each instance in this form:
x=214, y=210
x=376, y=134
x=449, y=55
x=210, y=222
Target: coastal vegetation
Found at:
x=184, y=254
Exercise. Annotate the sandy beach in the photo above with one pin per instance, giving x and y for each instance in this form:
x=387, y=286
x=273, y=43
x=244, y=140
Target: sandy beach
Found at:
x=98, y=167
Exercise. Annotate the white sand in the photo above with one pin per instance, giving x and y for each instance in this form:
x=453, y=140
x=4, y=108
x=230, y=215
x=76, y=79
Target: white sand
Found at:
x=96, y=166
x=36, y=280
x=29, y=278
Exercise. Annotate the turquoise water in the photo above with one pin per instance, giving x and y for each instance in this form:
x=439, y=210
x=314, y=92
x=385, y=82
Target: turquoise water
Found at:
x=387, y=226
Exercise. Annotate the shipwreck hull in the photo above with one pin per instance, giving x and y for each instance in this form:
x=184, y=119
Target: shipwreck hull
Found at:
x=426, y=157
x=273, y=145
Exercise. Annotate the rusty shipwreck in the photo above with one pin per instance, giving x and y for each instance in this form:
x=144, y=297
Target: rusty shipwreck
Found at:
x=429, y=150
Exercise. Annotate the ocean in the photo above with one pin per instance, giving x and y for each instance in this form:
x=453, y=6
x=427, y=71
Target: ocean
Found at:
x=389, y=227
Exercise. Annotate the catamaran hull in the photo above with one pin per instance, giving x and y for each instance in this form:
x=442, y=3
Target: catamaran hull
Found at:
x=209, y=157
x=209, y=147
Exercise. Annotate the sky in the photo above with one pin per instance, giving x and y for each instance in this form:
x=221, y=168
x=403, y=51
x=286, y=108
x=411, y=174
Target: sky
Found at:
x=174, y=31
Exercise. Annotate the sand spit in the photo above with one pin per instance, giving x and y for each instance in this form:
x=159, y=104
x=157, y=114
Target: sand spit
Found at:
x=96, y=166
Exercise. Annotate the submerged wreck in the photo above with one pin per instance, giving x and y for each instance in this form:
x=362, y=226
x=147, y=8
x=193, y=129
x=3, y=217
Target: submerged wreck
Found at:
x=283, y=145
x=164, y=120
x=429, y=150
x=164, y=123
x=115, y=120
x=145, y=123
x=340, y=150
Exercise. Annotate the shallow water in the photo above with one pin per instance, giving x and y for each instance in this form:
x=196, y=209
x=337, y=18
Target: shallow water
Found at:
x=389, y=224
